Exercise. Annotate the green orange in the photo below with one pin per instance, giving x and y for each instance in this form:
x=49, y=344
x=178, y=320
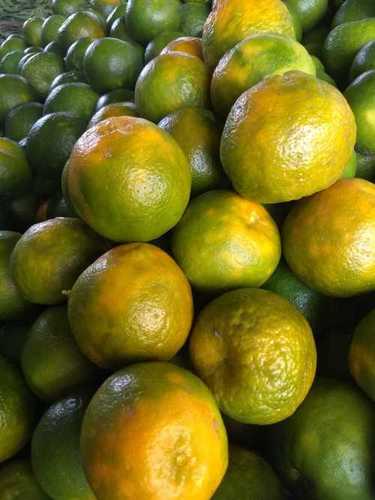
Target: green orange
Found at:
x=78, y=99
x=186, y=44
x=155, y=46
x=134, y=303
x=40, y=71
x=161, y=427
x=128, y=179
x=9, y=63
x=309, y=12
x=75, y=54
x=15, y=172
x=256, y=352
x=115, y=96
x=67, y=77
x=17, y=482
x=12, y=42
x=354, y=10
x=194, y=15
x=364, y=60
x=67, y=7
x=81, y=24
x=20, y=119
x=50, y=28
x=114, y=109
x=14, y=90
x=32, y=31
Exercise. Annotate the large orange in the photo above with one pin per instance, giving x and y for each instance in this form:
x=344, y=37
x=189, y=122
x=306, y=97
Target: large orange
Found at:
x=153, y=432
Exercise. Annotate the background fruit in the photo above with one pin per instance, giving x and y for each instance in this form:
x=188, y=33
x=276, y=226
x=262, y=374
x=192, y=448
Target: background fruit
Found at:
x=32, y=30
x=187, y=44
x=15, y=173
x=79, y=99
x=20, y=119
x=75, y=54
x=17, y=482
x=50, y=28
x=82, y=24
x=354, y=10
x=9, y=63
x=193, y=17
x=156, y=45
x=67, y=7
x=14, y=90
x=310, y=12
x=364, y=60
x=114, y=109
x=40, y=71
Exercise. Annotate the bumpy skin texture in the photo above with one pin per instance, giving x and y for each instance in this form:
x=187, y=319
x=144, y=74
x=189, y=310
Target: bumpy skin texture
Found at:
x=256, y=353
x=248, y=62
x=342, y=44
x=17, y=482
x=288, y=137
x=224, y=241
x=128, y=179
x=79, y=99
x=55, y=450
x=248, y=477
x=354, y=10
x=153, y=431
x=79, y=25
x=186, y=44
x=330, y=246
x=17, y=411
x=15, y=173
x=14, y=90
x=324, y=451
x=170, y=82
x=198, y=134
x=134, y=303
x=230, y=21
x=49, y=256
x=145, y=19
x=114, y=109
x=362, y=355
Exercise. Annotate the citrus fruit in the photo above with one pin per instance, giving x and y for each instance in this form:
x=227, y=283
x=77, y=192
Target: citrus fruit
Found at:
x=13, y=335
x=17, y=482
x=67, y=7
x=128, y=179
x=40, y=71
x=364, y=60
x=365, y=166
x=310, y=12
x=105, y=7
x=50, y=28
x=75, y=54
x=186, y=44
x=12, y=42
x=193, y=17
x=351, y=167
x=17, y=411
x=265, y=149
x=170, y=82
x=354, y=10
x=360, y=97
x=9, y=63
x=224, y=241
x=67, y=77
x=55, y=452
x=12, y=304
x=256, y=352
x=81, y=24
x=51, y=362
x=324, y=450
x=133, y=303
x=110, y=64
x=57, y=206
x=50, y=142
x=230, y=21
x=25, y=58
x=321, y=71
x=118, y=30
x=115, y=96
x=198, y=134
x=20, y=119
x=14, y=90
x=32, y=31
x=55, y=48
x=15, y=173
x=64, y=245
x=78, y=99
x=114, y=109
x=117, y=13
x=156, y=45
x=329, y=246
x=296, y=19
x=362, y=354
x=248, y=62
x=145, y=19
x=309, y=302
x=342, y=44
x=159, y=424
x=313, y=41
x=248, y=477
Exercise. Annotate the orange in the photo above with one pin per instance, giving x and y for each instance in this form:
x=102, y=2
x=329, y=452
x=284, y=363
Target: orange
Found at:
x=153, y=431
x=82, y=24
x=15, y=172
x=230, y=21
x=329, y=245
x=224, y=241
x=128, y=179
x=114, y=109
x=156, y=45
x=170, y=82
x=17, y=482
x=134, y=303
x=186, y=44
x=274, y=146
x=256, y=352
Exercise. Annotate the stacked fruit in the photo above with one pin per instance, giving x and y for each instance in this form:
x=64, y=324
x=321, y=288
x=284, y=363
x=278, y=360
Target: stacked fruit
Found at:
x=187, y=251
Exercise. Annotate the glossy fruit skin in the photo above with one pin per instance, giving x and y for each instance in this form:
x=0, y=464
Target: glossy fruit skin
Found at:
x=225, y=242
x=50, y=28
x=114, y=109
x=75, y=54
x=156, y=45
x=354, y=10
x=51, y=362
x=115, y=96
x=15, y=172
x=310, y=12
x=263, y=150
x=248, y=477
x=363, y=61
x=65, y=245
x=145, y=19
x=187, y=44
x=230, y=21
x=17, y=411
x=198, y=134
x=67, y=77
x=342, y=44
x=14, y=90
x=194, y=15
x=79, y=25
x=138, y=300
x=160, y=424
x=9, y=63
x=40, y=71
x=170, y=82
x=79, y=99
x=252, y=59
x=256, y=352
x=17, y=482
x=20, y=119
x=55, y=449
x=360, y=97
x=335, y=255
x=32, y=29
x=339, y=420
x=67, y=7
x=110, y=64
x=155, y=179
x=12, y=42
x=362, y=354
